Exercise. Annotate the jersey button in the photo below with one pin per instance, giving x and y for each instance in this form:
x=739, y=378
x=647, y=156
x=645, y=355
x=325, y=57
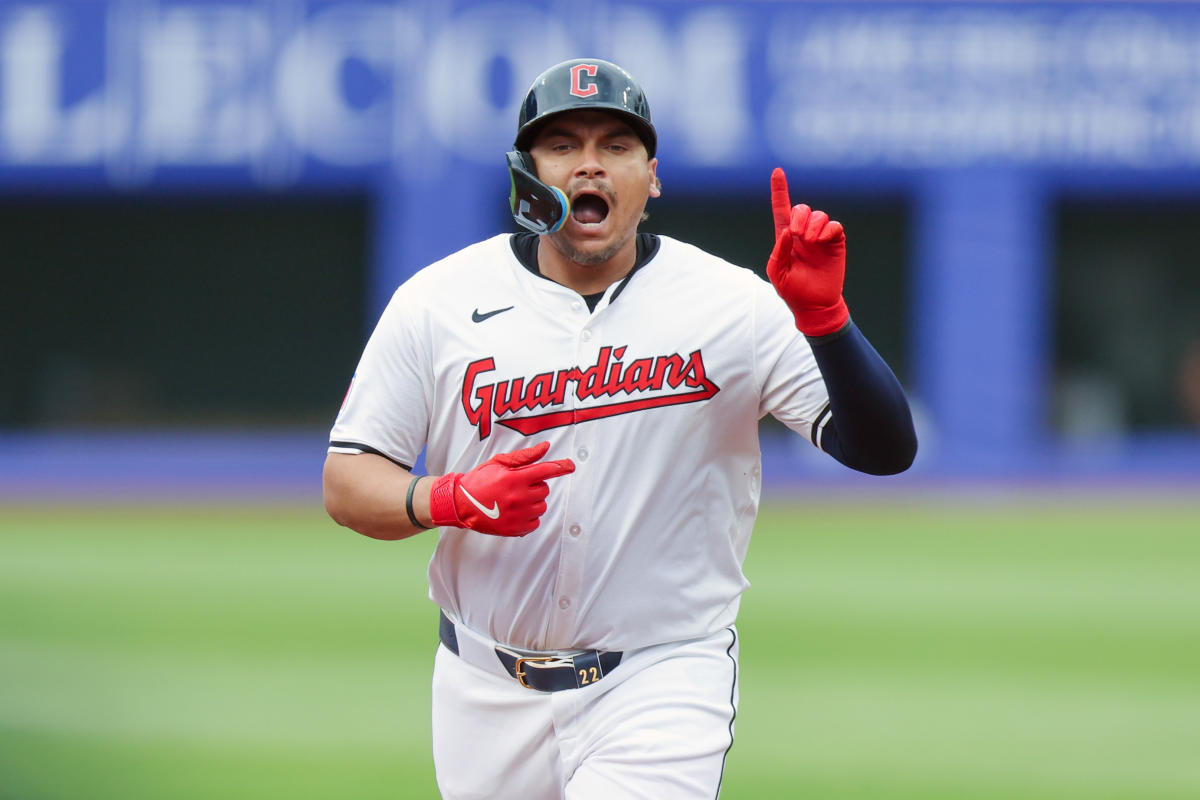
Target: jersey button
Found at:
x=564, y=603
x=575, y=530
x=582, y=454
x=575, y=306
x=586, y=336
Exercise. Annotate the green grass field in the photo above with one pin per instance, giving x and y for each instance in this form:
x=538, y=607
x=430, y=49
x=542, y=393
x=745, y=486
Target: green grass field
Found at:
x=1032, y=649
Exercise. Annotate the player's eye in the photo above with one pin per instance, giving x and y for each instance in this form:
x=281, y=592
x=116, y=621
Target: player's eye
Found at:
x=621, y=144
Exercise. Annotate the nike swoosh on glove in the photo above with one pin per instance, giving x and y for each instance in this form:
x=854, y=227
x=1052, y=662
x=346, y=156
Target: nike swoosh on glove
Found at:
x=504, y=496
x=808, y=264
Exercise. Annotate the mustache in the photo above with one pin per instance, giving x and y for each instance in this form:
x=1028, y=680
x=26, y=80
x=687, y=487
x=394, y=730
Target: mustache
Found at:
x=591, y=185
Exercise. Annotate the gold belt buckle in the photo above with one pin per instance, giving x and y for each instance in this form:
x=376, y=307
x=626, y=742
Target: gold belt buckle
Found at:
x=521, y=673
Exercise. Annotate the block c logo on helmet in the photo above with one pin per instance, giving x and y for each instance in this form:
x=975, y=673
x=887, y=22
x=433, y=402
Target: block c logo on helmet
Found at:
x=577, y=87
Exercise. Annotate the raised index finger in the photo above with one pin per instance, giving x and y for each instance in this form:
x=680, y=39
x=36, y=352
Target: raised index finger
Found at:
x=781, y=204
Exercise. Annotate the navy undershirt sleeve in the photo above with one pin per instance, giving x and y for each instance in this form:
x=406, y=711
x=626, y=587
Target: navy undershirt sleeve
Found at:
x=871, y=429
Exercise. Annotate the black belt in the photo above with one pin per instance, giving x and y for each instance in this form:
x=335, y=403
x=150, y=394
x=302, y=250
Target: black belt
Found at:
x=544, y=673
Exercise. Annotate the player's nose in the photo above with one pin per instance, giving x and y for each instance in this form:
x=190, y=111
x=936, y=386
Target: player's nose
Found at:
x=590, y=165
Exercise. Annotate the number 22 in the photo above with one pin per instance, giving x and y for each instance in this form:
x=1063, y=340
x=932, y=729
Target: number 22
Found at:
x=585, y=678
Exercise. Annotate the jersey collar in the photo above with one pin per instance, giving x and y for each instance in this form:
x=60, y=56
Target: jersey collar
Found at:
x=525, y=248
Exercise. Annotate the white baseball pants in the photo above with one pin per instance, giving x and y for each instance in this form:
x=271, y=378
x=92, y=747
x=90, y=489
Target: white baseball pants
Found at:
x=657, y=727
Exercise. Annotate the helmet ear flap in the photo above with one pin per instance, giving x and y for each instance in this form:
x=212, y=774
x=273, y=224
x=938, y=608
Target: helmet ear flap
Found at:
x=535, y=205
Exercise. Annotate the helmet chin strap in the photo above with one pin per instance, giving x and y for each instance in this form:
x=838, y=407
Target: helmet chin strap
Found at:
x=535, y=205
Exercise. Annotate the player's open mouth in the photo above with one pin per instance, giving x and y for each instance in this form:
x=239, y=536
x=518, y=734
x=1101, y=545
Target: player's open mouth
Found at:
x=589, y=209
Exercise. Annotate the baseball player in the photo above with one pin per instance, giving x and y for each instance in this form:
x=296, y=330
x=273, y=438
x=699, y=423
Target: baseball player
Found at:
x=587, y=397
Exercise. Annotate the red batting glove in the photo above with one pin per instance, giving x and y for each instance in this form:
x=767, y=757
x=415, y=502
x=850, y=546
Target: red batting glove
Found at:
x=808, y=265
x=503, y=496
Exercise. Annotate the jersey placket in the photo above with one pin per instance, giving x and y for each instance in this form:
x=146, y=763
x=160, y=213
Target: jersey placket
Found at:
x=574, y=534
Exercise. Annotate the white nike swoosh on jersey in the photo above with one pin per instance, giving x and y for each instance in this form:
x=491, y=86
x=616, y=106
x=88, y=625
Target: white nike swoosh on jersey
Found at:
x=490, y=513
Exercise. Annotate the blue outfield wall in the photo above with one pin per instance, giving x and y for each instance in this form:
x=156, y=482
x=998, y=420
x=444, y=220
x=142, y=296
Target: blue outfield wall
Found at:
x=125, y=466
x=981, y=114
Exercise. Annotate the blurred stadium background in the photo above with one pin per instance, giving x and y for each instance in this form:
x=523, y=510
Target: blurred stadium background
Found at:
x=204, y=206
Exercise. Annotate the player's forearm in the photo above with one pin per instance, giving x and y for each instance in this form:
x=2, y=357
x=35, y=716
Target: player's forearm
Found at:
x=872, y=428
x=367, y=493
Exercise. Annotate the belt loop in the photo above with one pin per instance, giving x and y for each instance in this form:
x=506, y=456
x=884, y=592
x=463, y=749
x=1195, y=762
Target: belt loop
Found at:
x=447, y=634
x=587, y=669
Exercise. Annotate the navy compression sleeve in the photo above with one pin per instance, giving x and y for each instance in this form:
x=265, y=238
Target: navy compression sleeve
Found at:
x=871, y=429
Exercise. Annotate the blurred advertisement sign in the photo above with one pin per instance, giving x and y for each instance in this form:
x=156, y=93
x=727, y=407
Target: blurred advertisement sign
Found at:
x=280, y=92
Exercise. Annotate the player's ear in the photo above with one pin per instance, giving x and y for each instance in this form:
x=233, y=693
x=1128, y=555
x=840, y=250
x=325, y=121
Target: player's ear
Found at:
x=655, y=183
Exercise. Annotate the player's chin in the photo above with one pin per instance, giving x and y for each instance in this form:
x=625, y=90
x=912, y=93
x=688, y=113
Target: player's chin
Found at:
x=593, y=256
x=586, y=249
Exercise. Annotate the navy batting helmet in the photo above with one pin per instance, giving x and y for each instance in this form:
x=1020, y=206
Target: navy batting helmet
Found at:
x=585, y=84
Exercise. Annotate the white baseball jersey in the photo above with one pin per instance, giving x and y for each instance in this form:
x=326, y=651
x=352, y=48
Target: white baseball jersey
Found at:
x=656, y=395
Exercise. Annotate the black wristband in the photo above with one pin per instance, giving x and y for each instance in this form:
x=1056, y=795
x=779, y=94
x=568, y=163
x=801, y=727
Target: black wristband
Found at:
x=829, y=338
x=412, y=515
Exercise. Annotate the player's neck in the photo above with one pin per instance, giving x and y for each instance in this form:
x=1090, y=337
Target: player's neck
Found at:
x=585, y=278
